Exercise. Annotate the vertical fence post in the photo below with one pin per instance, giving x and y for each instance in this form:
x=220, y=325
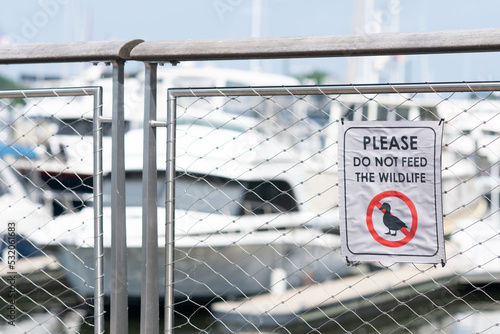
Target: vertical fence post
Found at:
x=170, y=215
x=119, y=290
x=98, y=230
x=149, y=288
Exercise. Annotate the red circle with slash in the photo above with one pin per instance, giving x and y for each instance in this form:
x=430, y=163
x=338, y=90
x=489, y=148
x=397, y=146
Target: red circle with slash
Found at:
x=375, y=202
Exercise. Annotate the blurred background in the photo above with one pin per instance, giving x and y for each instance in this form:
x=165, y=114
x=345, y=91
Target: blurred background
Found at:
x=40, y=21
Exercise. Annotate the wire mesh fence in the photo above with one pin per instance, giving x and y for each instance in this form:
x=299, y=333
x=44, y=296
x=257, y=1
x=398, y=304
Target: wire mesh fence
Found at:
x=257, y=246
x=47, y=174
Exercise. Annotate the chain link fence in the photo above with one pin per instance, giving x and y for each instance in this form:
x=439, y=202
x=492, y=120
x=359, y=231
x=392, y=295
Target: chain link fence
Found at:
x=257, y=246
x=47, y=154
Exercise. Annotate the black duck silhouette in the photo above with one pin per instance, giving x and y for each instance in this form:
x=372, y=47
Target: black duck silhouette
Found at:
x=393, y=223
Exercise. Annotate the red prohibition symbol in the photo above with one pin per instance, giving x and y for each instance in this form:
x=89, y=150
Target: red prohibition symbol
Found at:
x=375, y=202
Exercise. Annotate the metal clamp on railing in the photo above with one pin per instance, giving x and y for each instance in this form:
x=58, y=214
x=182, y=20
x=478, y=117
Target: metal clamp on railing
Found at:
x=158, y=124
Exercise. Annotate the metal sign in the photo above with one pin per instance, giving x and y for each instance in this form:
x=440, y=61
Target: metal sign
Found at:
x=390, y=191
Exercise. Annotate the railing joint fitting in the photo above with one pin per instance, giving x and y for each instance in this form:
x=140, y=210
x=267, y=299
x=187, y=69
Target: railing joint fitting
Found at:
x=158, y=124
x=105, y=119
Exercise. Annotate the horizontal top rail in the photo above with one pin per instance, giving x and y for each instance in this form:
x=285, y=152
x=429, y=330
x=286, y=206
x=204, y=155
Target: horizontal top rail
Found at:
x=399, y=43
x=482, y=40
x=50, y=92
x=63, y=52
x=338, y=89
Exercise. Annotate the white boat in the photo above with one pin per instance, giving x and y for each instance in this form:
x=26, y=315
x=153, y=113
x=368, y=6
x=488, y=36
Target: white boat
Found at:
x=462, y=191
x=59, y=130
x=474, y=123
x=217, y=167
x=241, y=227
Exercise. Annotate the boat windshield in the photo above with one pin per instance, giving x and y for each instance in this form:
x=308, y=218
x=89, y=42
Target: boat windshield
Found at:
x=212, y=194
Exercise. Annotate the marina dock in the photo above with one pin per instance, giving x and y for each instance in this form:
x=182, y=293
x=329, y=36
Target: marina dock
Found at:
x=359, y=293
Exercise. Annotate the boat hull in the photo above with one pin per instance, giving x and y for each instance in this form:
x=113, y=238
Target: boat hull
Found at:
x=205, y=270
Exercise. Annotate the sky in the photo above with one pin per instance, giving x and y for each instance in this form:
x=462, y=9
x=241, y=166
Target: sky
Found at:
x=39, y=21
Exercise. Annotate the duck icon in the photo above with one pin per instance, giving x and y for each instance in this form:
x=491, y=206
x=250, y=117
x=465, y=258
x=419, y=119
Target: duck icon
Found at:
x=393, y=223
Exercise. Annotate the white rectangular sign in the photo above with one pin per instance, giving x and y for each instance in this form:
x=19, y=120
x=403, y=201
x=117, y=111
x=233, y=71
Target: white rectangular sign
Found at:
x=390, y=191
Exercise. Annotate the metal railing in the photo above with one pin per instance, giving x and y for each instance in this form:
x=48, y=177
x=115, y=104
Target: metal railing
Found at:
x=294, y=127
x=33, y=151
x=152, y=53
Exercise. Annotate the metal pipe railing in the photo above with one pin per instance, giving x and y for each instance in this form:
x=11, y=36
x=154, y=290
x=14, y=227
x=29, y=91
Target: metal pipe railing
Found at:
x=150, y=280
x=66, y=52
x=96, y=93
x=483, y=40
x=119, y=289
x=170, y=216
x=337, y=89
x=399, y=43
x=98, y=213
